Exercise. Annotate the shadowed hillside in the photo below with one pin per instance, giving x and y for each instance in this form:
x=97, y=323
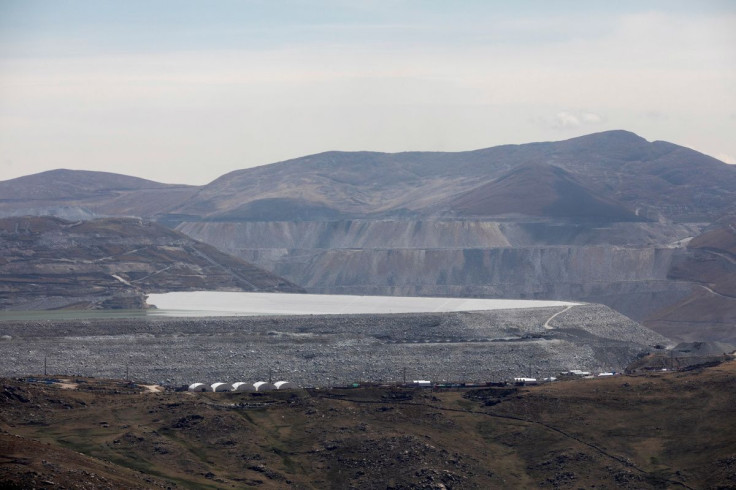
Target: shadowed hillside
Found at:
x=539, y=190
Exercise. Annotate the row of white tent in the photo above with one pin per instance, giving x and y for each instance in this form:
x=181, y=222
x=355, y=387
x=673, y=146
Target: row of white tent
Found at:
x=258, y=386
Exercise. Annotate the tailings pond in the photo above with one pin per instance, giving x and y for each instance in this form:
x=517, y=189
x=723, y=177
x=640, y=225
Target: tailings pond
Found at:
x=226, y=303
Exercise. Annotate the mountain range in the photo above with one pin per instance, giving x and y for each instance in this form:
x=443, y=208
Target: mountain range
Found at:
x=641, y=226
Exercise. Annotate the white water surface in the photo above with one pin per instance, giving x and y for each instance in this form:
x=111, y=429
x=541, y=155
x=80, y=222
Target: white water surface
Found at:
x=223, y=303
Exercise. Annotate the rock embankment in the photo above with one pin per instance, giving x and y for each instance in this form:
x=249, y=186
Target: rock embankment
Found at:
x=328, y=350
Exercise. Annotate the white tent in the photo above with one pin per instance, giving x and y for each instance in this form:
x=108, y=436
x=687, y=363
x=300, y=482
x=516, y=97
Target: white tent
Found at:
x=263, y=386
x=422, y=382
x=222, y=387
x=284, y=385
x=198, y=387
x=243, y=386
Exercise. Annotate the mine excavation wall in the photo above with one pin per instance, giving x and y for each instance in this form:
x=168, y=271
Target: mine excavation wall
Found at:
x=464, y=258
x=465, y=233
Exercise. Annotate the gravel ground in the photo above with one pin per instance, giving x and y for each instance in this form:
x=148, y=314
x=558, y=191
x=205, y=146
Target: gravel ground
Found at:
x=329, y=350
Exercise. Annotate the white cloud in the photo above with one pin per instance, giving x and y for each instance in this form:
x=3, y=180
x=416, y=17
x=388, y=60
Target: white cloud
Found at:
x=570, y=120
x=567, y=120
x=726, y=158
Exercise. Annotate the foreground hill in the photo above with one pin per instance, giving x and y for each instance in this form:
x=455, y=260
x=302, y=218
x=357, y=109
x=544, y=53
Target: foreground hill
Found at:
x=669, y=430
x=48, y=262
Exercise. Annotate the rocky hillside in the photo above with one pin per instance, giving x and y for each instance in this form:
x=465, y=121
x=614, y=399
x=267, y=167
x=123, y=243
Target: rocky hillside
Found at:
x=668, y=430
x=542, y=190
x=708, y=263
x=49, y=262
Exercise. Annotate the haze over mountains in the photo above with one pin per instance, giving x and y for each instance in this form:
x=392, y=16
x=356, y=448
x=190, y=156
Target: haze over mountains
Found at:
x=602, y=218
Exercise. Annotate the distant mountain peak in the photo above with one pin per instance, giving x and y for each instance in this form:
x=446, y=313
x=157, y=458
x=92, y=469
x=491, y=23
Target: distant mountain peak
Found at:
x=620, y=135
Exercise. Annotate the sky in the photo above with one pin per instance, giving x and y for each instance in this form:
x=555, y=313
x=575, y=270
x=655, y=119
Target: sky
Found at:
x=183, y=91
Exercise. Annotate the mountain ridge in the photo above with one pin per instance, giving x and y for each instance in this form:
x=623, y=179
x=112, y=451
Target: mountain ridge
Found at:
x=658, y=179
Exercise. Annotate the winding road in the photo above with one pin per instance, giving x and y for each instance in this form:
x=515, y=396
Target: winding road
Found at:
x=546, y=324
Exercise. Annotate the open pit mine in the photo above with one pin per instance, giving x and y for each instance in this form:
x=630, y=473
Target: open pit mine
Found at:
x=645, y=228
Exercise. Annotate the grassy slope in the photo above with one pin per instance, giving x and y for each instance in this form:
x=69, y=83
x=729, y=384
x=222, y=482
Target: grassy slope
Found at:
x=666, y=430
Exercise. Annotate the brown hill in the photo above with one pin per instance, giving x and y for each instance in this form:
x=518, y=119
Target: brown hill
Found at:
x=667, y=430
x=542, y=190
x=50, y=263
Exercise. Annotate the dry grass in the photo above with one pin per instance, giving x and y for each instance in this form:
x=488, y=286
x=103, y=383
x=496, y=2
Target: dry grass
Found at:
x=669, y=430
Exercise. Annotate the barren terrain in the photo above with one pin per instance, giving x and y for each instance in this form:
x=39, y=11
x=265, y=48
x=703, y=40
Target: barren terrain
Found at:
x=324, y=350
x=666, y=430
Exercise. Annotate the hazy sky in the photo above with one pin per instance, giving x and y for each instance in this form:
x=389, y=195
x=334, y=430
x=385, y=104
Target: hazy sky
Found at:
x=183, y=91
